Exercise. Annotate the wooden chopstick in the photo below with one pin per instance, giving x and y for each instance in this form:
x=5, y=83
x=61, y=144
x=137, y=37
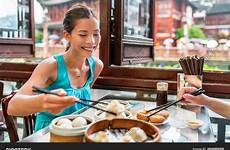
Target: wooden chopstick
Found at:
x=94, y=101
x=158, y=107
x=40, y=90
x=194, y=93
x=96, y=108
x=45, y=91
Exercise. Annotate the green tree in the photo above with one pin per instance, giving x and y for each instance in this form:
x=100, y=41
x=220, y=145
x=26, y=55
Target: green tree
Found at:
x=38, y=36
x=179, y=33
x=194, y=32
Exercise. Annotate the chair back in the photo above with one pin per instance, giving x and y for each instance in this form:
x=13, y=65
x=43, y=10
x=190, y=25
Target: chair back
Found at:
x=29, y=121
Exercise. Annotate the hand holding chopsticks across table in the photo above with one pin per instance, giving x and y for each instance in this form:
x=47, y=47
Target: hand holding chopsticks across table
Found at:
x=163, y=107
x=45, y=91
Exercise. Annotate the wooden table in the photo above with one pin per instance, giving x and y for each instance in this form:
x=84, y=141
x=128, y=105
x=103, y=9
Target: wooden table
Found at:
x=170, y=132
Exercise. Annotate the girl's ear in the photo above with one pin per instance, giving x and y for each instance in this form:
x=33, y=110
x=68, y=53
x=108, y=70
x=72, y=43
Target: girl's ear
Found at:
x=67, y=36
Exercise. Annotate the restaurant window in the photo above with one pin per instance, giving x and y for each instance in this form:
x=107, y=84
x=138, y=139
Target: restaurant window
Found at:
x=131, y=32
x=130, y=72
x=16, y=28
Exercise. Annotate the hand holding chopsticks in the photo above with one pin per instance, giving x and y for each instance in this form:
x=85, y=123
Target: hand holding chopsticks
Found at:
x=160, y=108
x=45, y=91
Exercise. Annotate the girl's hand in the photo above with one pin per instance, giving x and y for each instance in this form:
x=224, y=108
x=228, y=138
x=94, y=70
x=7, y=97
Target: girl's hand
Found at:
x=199, y=100
x=56, y=104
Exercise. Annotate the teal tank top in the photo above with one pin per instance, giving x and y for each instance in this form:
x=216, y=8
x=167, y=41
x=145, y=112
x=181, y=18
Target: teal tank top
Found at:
x=43, y=119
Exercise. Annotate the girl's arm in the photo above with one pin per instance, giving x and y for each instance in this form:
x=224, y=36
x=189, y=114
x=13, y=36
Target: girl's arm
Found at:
x=25, y=102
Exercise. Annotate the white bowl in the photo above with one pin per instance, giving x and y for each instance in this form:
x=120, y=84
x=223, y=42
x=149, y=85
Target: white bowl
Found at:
x=75, y=131
x=99, y=115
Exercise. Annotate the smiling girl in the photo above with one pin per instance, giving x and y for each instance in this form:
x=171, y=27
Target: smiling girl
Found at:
x=71, y=74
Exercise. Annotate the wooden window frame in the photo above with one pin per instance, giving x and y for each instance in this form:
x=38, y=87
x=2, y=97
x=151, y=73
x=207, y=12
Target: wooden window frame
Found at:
x=130, y=78
x=128, y=49
x=24, y=47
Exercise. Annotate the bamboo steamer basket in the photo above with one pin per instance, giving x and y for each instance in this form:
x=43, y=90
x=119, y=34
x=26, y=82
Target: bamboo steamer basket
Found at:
x=76, y=134
x=118, y=123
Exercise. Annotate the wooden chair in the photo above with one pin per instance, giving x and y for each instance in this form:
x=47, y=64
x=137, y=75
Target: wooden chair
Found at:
x=2, y=120
x=29, y=121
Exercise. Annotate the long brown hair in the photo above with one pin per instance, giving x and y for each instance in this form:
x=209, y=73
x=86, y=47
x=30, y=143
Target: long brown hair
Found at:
x=75, y=13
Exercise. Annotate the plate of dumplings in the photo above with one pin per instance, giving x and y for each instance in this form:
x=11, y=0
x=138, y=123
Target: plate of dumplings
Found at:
x=160, y=118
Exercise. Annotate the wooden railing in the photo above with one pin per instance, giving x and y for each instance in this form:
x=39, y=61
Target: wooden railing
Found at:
x=176, y=54
x=52, y=50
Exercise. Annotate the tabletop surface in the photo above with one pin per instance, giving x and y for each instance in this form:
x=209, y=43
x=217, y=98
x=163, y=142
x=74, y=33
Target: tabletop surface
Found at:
x=173, y=130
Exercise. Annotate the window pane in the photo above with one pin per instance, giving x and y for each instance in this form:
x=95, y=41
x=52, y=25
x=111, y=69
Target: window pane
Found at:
x=188, y=28
x=136, y=18
x=14, y=18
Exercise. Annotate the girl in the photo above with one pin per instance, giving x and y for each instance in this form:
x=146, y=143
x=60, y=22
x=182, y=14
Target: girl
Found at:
x=71, y=74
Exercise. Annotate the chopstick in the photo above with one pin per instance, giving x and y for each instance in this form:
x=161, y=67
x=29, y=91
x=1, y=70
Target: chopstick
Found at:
x=194, y=93
x=96, y=108
x=192, y=65
x=94, y=101
x=40, y=90
x=158, y=107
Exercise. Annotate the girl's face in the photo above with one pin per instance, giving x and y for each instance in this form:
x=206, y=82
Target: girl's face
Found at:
x=85, y=37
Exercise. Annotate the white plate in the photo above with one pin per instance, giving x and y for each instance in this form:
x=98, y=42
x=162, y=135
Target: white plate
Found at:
x=99, y=115
x=125, y=103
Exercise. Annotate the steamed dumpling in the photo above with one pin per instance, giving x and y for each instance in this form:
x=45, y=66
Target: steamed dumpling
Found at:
x=111, y=116
x=79, y=122
x=137, y=134
x=66, y=125
x=127, y=138
x=116, y=107
x=63, y=121
x=101, y=136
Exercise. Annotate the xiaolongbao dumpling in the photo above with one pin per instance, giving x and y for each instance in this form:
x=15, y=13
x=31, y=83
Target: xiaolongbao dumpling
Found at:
x=127, y=138
x=63, y=121
x=79, y=122
x=101, y=136
x=137, y=134
x=66, y=125
x=116, y=107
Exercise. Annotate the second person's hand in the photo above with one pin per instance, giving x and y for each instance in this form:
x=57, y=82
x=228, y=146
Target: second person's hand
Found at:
x=199, y=100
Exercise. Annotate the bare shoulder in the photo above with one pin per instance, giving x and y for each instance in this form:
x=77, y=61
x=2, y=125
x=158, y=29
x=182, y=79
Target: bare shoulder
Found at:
x=98, y=68
x=47, y=66
x=98, y=63
x=49, y=63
